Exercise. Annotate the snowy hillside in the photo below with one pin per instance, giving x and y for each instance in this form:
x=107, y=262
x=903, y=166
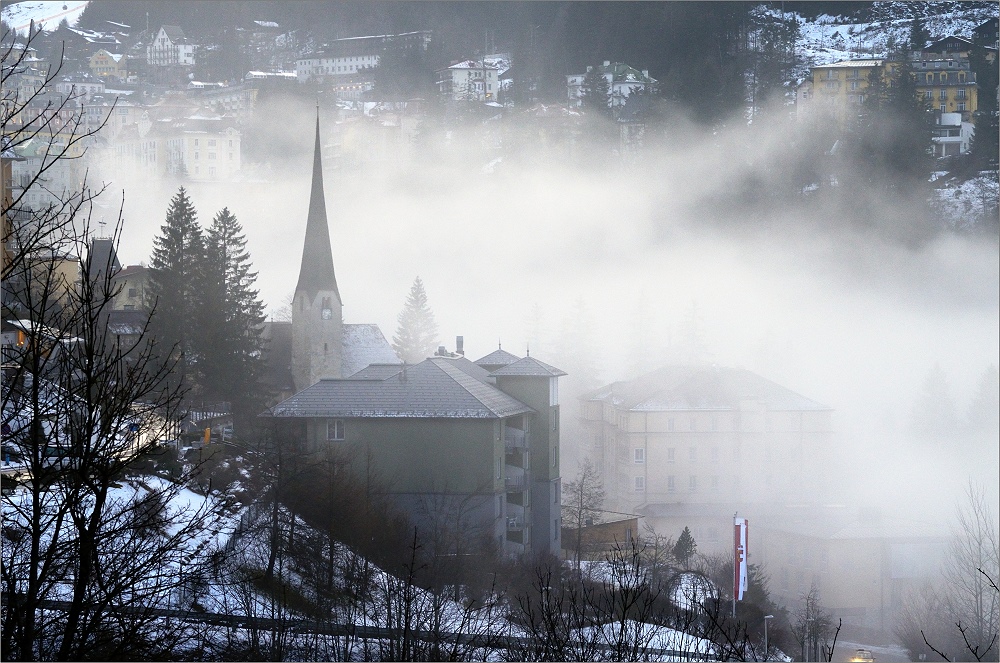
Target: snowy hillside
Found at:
x=833, y=38
x=19, y=15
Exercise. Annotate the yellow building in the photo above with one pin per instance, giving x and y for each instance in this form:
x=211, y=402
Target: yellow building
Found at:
x=109, y=65
x=839, y=89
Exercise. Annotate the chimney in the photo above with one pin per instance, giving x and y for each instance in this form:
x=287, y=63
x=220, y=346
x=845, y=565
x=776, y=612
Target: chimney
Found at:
x=460, y=345
x=441, y=351
x=607, y=63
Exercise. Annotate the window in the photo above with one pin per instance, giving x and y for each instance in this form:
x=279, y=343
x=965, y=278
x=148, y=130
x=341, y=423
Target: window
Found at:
x=693, y=454
x=670, y=455
x=211, y=171
x=211, y=156
x=196, y=142
x=670, y=424
x=671, y=484
x=211, y=143
x=499, y=465
x=640, y=455
x=854, y=85
x=715, y=483
x=961, y=106
x=640, y=484
x=960, y=94
x=943, y=108
x=928, y=94
x=693, y=483
x=133, y=292
x=944, y=93
x=335, y=430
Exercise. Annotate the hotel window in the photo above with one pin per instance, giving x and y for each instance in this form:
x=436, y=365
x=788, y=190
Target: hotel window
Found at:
x=640, y=455
x=928, y=94
x=671, y=484
x=693, y=483
x=854, y=85
x=211, y=143
x=961, y=106
x=944, y=93
x=670, y=455
x=670, y=424
x=960, y=94
x=335, y=430
x=640, y=484
x=693, y=454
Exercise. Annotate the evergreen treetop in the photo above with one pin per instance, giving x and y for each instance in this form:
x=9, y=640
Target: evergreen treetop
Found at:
x=417, y=333
x=685, y=547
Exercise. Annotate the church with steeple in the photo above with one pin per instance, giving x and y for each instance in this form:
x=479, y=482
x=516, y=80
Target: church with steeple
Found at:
x=480, y=438
x=322, y=345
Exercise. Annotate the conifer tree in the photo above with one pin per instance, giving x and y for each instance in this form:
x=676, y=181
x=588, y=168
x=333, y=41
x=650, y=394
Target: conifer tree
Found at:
x=685, y=547
x=595, y=91
x=230, y=343
x=417, y=334
x=175, y=275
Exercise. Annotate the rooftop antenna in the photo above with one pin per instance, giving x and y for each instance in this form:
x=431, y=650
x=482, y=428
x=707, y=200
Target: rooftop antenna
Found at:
x=499, y=347
x=527, y=349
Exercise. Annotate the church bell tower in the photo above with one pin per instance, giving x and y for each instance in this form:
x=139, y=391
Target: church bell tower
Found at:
x=317, y=310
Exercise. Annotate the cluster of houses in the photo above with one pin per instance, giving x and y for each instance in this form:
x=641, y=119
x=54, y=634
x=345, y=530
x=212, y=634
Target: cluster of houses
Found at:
x=944, y=78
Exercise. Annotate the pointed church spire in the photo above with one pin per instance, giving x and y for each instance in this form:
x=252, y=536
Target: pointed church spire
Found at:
x=316, y=272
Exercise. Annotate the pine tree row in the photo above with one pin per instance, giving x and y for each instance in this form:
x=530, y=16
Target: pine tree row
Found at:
x=207, y=314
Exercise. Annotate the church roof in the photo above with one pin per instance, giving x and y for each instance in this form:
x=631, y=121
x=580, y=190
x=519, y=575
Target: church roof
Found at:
x=434, y=388
x=365, y=344
x=529, y=366
x=102, y=260
x=316, y=272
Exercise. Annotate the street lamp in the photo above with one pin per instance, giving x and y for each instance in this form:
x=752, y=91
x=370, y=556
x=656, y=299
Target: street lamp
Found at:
x=767, y=651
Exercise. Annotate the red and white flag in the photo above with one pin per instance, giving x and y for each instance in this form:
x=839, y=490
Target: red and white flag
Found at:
x=739, y=557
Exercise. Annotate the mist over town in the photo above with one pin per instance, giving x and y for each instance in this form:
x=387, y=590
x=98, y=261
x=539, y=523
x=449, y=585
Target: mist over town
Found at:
x=443, y=330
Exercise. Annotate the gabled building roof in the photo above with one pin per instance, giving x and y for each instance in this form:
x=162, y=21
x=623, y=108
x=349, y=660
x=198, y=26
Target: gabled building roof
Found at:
x=700, y=387
x=433, y=389
x=496, y=359
x=174, y=33
x=529, y=366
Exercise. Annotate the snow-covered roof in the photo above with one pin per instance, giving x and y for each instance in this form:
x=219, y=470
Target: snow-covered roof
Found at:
x=365, y=344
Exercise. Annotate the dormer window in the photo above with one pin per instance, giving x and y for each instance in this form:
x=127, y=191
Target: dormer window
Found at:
x=327, y=308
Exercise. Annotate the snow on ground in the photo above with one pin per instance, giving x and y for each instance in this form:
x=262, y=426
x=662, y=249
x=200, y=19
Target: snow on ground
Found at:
x=967, y=203
x=48, y=14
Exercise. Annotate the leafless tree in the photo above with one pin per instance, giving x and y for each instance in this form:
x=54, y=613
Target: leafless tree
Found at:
x=88, y=554
x=583, y=503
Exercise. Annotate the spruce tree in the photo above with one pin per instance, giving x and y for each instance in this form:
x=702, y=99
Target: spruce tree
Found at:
x=230, y=343
x=175, y=275
x=685, y=547
x=595, y=91
x=417, y=334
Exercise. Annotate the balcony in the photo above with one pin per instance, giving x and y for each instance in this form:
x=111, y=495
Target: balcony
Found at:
x=514, y=438
x=515, y=483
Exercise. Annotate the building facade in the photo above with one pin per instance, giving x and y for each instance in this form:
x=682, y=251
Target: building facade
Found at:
x=690, y=445
x=622, y=80
x=448, y=438
x=170, y=47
